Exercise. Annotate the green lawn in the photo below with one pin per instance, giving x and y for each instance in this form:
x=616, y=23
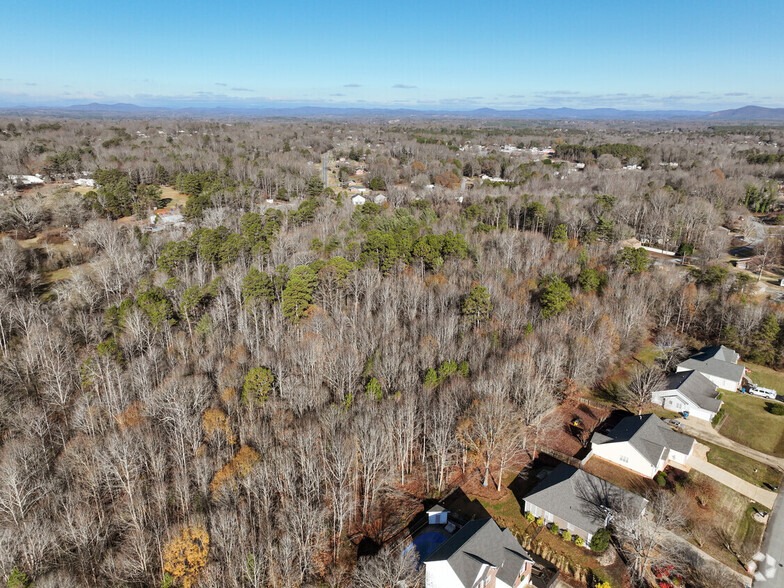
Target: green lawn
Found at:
x=766, y=377
x=749, y=423
x=743, y=466
x=662, y=412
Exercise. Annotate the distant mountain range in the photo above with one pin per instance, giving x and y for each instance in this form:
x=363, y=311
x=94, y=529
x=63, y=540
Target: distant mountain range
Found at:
x=744, y=114
x=749, y=113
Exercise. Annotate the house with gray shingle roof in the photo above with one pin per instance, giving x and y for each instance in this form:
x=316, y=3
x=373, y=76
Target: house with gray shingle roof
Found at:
x=643, y=444
x=480, y=554
x=578, y=501
x=717, y=363
x=689, y=391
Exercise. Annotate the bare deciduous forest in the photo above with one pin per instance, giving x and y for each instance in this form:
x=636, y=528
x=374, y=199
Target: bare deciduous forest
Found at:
x=239, y=397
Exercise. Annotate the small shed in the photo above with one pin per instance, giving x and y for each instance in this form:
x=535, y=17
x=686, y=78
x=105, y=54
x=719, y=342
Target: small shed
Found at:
x=437, y=515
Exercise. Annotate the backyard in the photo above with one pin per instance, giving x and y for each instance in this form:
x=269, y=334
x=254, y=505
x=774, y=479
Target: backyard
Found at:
x=748, y=422
x=508, y=512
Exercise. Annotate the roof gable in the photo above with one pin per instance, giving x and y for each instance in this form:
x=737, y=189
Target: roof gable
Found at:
x=480, y=543
x=695, y=387
x=650, y=436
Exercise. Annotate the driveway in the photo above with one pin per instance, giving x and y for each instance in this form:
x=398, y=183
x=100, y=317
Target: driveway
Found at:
x=757, y=494
x=703, y=430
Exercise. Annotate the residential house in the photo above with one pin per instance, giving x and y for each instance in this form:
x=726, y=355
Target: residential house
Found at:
x=719, y=364
x=23, y=180
x=578, y=501
x=479, y=555
x=689, y=391
x=358, y=200
x=643, y=444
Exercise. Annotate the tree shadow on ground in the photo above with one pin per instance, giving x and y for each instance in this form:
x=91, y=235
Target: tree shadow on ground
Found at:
x=461, y=505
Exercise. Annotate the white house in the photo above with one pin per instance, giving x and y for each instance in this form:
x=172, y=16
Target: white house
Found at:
x=26, y=180
x=480, y=554
x=88, y=182
x=719, y=364
x=579, y=502
x=643, y=444
x=689, y=391
x=358, y=200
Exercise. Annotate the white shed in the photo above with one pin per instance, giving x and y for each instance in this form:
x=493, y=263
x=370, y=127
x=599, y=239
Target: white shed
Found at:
x=437, y=515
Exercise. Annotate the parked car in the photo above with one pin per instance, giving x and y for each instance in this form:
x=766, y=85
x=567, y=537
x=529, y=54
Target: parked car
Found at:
x=674, y=424
x=763, y=392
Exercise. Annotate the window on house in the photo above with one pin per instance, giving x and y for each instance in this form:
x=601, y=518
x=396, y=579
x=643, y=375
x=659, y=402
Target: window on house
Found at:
x=624, y=459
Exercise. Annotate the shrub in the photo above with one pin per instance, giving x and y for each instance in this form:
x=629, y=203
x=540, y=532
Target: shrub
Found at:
x=661, y=479
x=529, y=516
x=539, y=522
x=567, y=536
x=600, y=541
x=579, y=541
x=776, y=408
x=554, y=529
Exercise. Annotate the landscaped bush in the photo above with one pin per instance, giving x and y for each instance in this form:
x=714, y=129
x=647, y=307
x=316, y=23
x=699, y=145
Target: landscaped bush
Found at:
x=539, y=522
x=554, y=529
x=718, y=418
x=776, y=408
x=579, y=542
x=600, y=541
x=661, y=479
x=567, y=536
x=529, y=516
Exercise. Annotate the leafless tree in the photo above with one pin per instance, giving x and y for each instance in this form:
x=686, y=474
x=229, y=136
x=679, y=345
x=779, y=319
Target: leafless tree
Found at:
x=647, y=539
x=644, y=381
x=392, y=567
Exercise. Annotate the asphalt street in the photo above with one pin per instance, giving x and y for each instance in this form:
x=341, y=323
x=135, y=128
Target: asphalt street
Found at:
x=770, y=560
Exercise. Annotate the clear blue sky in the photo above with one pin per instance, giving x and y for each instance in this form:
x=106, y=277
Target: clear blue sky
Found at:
x=429, y=53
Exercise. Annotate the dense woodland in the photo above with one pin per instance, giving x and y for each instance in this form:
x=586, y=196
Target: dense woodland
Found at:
x=239, y=401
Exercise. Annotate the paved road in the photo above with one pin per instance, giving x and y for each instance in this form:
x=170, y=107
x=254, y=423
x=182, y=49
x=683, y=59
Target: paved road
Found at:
x=764, y=497
x=770, y=559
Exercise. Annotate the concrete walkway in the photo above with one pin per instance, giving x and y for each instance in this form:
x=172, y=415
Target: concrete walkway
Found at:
x=757, y=494
x=703, y=430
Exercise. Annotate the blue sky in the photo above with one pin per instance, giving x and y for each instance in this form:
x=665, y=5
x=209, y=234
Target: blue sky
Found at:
x=689, y=54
